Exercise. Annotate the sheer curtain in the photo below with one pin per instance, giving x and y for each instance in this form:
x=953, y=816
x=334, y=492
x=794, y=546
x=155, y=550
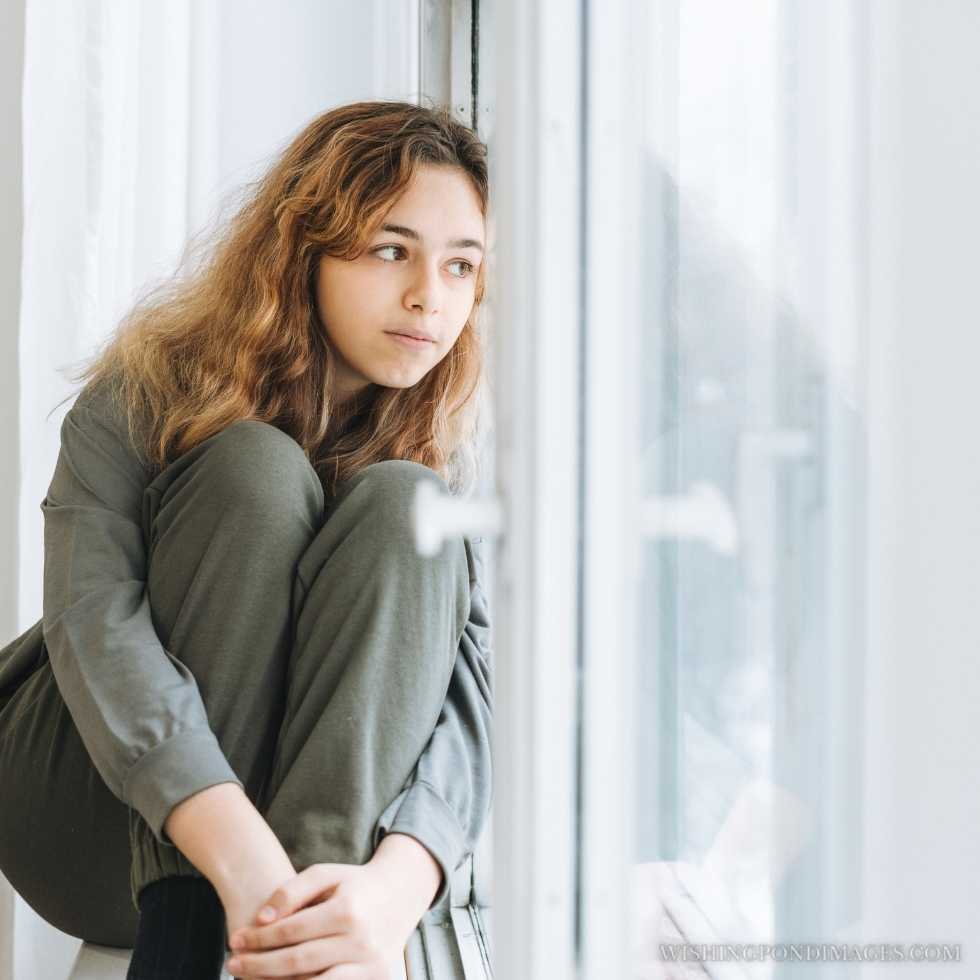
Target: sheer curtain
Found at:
x=140, y=121
x=120, y=164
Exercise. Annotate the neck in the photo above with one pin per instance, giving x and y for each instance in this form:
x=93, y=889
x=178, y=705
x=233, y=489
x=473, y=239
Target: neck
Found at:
x=345, y=408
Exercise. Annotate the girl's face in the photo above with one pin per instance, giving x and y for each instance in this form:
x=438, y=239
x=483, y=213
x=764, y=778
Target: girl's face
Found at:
x=418, y=273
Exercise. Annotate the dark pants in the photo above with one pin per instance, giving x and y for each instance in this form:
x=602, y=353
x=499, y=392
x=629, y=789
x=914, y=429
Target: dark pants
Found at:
x=322, y=645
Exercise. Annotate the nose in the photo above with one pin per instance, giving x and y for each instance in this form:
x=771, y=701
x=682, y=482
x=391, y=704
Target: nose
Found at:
x=422, y=294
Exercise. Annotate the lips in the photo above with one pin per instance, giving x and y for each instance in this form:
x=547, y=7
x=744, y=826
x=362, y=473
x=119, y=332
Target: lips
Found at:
x=417, y=334
x=418, y=343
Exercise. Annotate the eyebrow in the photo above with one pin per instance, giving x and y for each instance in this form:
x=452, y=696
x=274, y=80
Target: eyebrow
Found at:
x=415, y=236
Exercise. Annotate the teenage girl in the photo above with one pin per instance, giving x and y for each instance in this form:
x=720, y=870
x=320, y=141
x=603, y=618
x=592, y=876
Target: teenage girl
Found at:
x=247, y=688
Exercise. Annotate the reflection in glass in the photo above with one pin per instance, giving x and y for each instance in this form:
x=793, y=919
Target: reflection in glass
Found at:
x=746, y=790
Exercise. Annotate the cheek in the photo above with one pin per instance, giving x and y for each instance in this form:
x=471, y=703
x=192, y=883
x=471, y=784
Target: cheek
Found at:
x=345, y=303
x=452, y=340
x=463, y=311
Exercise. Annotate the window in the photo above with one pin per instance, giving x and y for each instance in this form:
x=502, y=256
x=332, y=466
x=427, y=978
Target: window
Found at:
x=679, y=414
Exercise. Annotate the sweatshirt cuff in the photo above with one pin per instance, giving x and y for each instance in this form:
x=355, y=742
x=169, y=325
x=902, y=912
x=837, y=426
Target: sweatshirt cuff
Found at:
x=171, y=772
x=421, y=813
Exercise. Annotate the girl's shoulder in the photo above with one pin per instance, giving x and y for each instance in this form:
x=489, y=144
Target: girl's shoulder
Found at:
x=100, y=411
x=98, y=397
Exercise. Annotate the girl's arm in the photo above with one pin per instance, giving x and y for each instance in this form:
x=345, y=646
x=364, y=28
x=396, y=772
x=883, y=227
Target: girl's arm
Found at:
x=225, y=837
x=137, y=708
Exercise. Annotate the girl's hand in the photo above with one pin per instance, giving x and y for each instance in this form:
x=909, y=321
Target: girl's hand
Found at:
x=355, y=917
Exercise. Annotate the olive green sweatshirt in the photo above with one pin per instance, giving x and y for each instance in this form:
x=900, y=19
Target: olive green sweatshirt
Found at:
x=138, y=709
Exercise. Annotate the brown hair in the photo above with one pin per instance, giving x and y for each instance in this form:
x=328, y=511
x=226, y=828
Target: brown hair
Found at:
x=239, y=336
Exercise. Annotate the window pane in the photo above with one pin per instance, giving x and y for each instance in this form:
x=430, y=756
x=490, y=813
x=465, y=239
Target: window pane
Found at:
x=751, y=374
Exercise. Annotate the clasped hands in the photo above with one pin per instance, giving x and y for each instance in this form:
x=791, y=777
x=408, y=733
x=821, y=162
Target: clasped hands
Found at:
x=339, y=921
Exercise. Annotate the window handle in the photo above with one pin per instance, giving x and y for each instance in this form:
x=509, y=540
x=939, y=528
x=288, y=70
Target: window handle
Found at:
x=438, y=515
x=701, y=513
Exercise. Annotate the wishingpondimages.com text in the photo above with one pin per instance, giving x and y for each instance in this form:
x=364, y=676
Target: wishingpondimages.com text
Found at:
x=811, y=952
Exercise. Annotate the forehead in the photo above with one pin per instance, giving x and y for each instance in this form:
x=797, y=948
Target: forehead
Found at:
x=439, y=196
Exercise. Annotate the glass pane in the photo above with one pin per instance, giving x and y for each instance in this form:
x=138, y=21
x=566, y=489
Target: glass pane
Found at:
x=745, y=787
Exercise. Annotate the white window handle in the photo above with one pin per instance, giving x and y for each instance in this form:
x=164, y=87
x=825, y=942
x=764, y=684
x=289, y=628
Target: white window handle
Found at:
x=439, y=515
x=703, y=512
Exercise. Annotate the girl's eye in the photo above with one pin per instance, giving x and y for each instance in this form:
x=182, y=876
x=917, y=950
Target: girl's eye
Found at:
x=469, y=267
x=398, y=248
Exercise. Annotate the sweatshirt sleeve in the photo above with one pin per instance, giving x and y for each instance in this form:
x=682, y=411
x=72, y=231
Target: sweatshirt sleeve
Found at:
x=137, y=708
x=445, y=803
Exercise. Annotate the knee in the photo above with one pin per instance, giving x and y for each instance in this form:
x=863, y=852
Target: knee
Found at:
x=397, y=477
x=384, y=494
x=254, y=466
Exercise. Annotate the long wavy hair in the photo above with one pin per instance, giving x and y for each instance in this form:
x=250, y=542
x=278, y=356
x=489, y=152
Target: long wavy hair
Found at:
x=237, y=336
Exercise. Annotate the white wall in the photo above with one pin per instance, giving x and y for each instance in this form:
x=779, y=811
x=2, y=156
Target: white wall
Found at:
x=922, y=857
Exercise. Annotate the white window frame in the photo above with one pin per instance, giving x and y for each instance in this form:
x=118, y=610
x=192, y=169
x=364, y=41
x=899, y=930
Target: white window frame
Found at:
x=562, y=368
x=536, y=163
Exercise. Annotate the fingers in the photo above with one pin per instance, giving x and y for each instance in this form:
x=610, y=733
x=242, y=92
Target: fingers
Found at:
x=315, y=916
x=305, y=976
x=308, y=923
x=309, y=885
x=303, y=960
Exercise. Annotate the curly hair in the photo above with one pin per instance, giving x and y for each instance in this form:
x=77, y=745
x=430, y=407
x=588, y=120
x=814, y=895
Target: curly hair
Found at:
x=237, y=336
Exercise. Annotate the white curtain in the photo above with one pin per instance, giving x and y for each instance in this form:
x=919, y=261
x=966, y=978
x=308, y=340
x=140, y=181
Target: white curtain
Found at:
x=119, y=164
x=139, y=118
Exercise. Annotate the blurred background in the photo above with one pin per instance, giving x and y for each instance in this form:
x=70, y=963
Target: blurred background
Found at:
x=735, y=338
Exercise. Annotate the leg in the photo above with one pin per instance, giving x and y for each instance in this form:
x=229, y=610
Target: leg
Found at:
x=70, y=848
x=314, y=632
x=63, y=836
x=377, y=629
x=227, y=526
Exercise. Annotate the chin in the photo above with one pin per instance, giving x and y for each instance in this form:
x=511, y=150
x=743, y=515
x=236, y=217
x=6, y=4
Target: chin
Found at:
x=400, y=382
x=403, y=384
